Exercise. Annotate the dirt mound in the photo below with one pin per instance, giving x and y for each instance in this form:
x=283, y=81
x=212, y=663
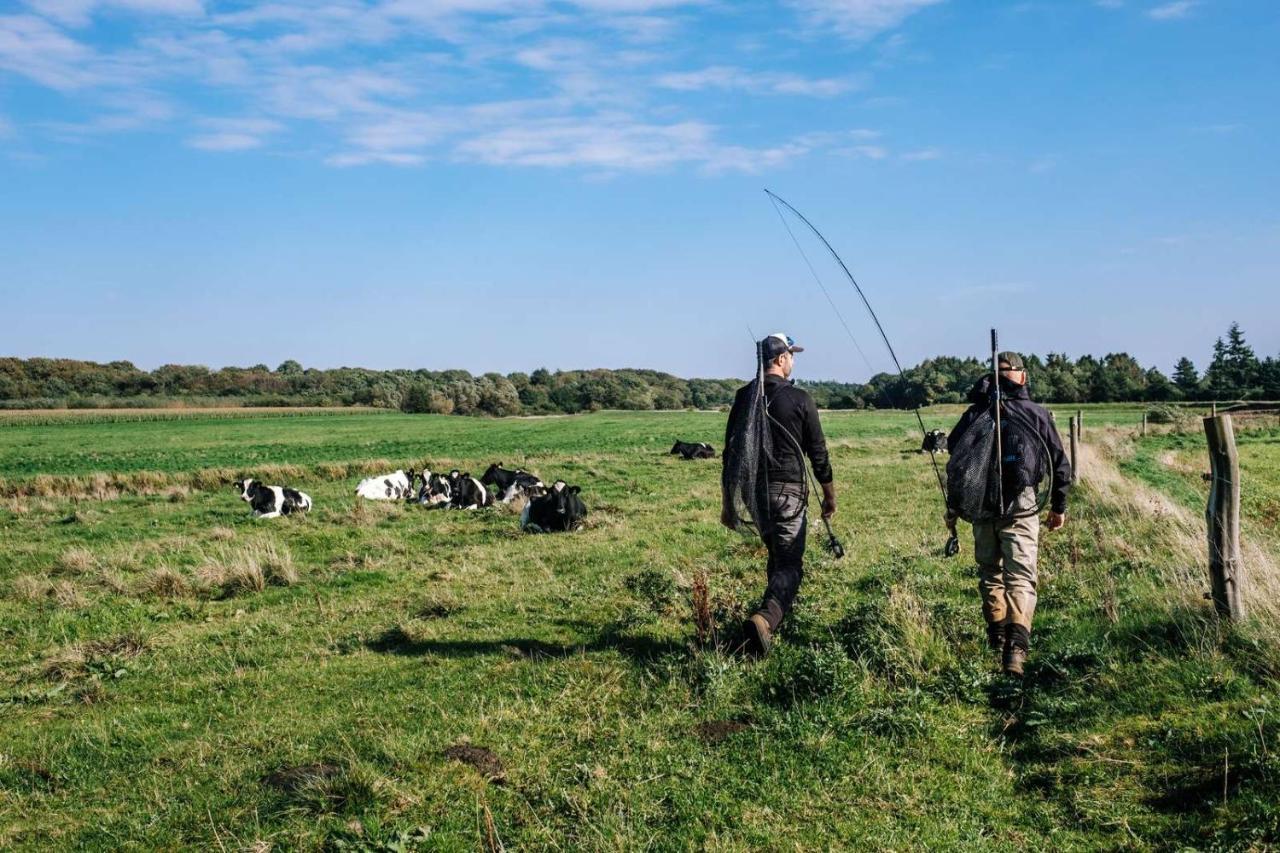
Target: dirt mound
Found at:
x=481, y=760
x=714, y=731
x=292, y=778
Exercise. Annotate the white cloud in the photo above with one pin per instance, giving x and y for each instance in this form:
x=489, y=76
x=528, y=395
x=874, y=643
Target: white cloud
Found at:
x=33, y=48
x=608, y=143
x=1172, y=11
x=730, y=78
x=366, y=158
x=536, y=83
x=233, y=134
x=859, y=19
x=79, y=13
x=921, y=154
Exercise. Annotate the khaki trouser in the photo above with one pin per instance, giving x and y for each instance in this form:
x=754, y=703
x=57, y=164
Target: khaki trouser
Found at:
x=1006, y=556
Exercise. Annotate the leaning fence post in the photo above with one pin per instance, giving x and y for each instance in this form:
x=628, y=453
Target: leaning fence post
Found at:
x=1222, y=515
x=1075, y=448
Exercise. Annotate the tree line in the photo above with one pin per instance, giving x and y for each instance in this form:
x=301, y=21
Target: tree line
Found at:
x=1235, y=372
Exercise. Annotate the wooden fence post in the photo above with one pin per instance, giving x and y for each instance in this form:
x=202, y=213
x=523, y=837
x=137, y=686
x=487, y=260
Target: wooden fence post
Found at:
x=1075, y=448
x=1080, y=423
x=1213, y=410
x=1222, y=515
x=1144, y=424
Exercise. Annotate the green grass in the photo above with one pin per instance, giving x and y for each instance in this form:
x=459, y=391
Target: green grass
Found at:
x=151, y=690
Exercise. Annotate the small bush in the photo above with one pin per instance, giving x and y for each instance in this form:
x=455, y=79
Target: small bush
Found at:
x=1164, y=414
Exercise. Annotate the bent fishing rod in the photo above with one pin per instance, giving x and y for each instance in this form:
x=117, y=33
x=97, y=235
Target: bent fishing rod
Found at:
x=952, y=546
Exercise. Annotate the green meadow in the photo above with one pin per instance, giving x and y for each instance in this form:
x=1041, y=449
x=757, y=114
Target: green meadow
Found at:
x=380, y=676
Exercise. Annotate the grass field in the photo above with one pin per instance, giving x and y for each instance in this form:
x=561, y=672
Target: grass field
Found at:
x=174, y=673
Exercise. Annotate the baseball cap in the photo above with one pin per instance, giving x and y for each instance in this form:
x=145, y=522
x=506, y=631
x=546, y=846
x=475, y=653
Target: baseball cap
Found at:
x=1012, y=359
x=778, y=343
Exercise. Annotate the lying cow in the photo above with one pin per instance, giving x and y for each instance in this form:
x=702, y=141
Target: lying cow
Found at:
x=466, y=492
x=512, y=484
x=935, y=441
x=692, y=450
x=388, y=487
x=272, y=501
x=436, y=490
x=560, y=509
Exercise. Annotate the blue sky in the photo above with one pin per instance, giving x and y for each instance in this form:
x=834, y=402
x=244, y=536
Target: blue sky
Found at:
x=507, y=184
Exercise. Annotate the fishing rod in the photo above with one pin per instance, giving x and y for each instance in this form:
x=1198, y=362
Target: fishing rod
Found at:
x=952, y=546
x=995, y=381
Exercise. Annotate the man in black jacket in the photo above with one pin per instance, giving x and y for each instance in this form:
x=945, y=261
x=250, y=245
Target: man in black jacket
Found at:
x=795, y=432
x=1006, y=551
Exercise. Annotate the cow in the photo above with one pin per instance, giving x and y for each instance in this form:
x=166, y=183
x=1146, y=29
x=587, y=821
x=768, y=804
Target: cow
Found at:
x=468, y=492
x=935, y=441
x=560, y=509
x=388, y=487
x=272, y=501
x=512, y=484
x=436, y=490
x=693, y=450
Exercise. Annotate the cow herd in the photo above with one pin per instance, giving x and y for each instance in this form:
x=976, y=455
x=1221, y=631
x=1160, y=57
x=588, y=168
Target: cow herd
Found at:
x=553, y=508
x=546, y=509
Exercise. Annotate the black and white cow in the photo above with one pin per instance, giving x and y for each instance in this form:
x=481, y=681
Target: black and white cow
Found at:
x=436, y=490
x=935, y=441
x=468, y=492
x=512, y=484
x=560, y=509
x=693, y=450
x=388, y=487
x=272, y=501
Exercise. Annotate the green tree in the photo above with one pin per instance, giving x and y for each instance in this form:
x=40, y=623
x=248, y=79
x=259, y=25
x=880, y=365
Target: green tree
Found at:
x=1234, y=369
x=1186, y=377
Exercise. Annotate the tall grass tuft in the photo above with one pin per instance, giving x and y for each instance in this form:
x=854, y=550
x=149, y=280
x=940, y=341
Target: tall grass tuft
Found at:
x=164, y=582
x=76, y=561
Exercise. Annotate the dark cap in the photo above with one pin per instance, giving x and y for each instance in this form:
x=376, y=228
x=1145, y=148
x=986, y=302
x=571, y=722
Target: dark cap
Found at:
x=778, y=343
x=1012, y=359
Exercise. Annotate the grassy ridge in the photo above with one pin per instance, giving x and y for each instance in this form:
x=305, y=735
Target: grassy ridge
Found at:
x=164, y=656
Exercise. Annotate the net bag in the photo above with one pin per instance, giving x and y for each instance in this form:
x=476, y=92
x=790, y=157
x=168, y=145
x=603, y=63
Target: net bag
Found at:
x=983, y=486
x=744, y=479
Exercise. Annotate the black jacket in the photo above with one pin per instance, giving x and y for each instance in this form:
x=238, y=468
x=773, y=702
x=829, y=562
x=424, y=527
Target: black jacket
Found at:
x=1024, y=466
x=792, y=411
